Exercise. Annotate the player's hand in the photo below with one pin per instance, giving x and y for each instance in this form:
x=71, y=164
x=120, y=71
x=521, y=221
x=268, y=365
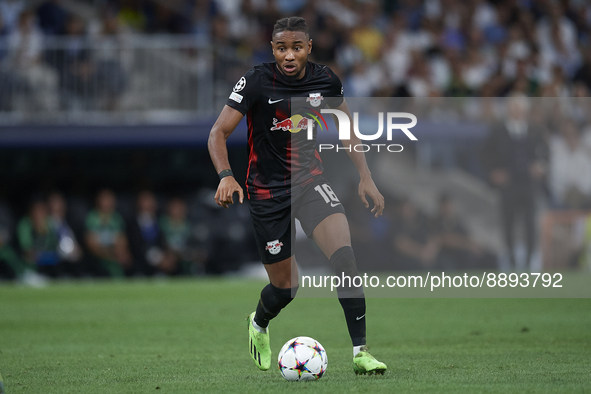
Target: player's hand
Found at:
x=368, y=187
x=226, y=189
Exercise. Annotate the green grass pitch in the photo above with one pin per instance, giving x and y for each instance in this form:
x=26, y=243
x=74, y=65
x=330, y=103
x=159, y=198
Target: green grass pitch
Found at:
x=189, y=336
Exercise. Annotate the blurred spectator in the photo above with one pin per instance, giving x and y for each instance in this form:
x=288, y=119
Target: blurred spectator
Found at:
x=25, y=56
x=220, y=35
x=11, y=265
x=517, y=49
x=364, y=80
x=290, y=7
x=558, y=85
x=105, y=236
x=245, y=24
x=37, y=239
x=485, y=14
x=6, y=76
x=347, y=54
x=75, y=68
x=229, y=8
x=414, y=243
x=112, y=55
x=419, y=82
x=457, y=249
x=524, y=82
x=10, y=10
x=515, y=156
x=583, y=74
x=570, y=168
x=52, y=17
x=202, y=12
x=585, y=256
x=215, y=229
x=168, y=17
x=475, y=71
x=341, y=10
x=366, y=36
x=68, y=249
x=557, y=39
x=457, y=86
x=3, y=37
x=132, y=13
x=326, y=42
x=370, y=236
x=146, y=239
x=177, y=231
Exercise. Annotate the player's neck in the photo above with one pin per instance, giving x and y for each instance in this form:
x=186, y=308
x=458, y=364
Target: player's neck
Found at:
x=294, y=78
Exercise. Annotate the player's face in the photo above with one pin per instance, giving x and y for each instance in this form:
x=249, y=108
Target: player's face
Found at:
x=291, y=50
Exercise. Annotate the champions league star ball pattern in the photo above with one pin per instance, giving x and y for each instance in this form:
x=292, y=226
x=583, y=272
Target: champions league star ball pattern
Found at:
x=302, y=359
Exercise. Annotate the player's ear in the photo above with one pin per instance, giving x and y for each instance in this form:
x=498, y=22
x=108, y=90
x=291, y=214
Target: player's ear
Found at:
x=309, y=46
x=272, y=47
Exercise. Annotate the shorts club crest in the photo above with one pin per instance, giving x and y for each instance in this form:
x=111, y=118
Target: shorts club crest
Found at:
x=274, y=247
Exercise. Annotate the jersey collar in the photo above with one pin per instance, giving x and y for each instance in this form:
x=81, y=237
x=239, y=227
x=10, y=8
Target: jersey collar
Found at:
x=283, y=79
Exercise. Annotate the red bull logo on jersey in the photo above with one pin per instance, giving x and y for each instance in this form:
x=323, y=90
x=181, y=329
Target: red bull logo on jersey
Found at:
x=295, y=124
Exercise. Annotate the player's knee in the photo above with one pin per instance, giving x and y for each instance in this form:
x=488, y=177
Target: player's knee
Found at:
x=343, y=262
x=282, y=296
x=356, y=304
x=284, y=283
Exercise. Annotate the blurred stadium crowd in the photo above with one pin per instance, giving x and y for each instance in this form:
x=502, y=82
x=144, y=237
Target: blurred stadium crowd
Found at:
x=122, y=237
x=405, y=47
x=408, y=238
x=144, y=238
x=379, y=48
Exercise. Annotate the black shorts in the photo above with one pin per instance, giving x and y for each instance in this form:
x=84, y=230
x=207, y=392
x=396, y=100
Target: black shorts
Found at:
x=274, y=218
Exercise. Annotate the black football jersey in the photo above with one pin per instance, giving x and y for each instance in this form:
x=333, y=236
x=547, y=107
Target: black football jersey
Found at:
x=279, y=155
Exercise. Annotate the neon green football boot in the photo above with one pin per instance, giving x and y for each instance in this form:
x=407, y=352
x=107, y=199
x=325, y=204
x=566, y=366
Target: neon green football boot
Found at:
x=258, y=343
x=365, y=363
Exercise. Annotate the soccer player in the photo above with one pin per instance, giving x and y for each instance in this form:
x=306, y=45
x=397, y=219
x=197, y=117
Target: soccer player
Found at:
x=285, y=181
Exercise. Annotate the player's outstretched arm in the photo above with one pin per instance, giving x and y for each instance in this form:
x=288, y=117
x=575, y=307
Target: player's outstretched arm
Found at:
x=366, y=183
x=218, y=151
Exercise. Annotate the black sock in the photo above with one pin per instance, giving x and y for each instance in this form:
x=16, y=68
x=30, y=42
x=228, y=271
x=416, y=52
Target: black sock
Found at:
x=354, y=309
x=351, y=298
x=272, y=301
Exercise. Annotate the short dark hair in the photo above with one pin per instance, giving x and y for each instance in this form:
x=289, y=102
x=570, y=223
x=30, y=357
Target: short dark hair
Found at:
x=292, y=23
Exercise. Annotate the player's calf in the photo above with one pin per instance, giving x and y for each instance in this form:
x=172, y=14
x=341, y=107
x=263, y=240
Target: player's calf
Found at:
x=273, y=300
x=351, y=297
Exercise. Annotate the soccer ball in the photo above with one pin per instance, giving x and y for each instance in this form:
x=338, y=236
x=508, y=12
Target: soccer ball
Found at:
x=301, y=359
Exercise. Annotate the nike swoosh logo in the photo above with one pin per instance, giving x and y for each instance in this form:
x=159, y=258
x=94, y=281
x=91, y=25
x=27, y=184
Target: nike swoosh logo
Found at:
x=333, y=204
x=360, y=317
x=274, y=101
